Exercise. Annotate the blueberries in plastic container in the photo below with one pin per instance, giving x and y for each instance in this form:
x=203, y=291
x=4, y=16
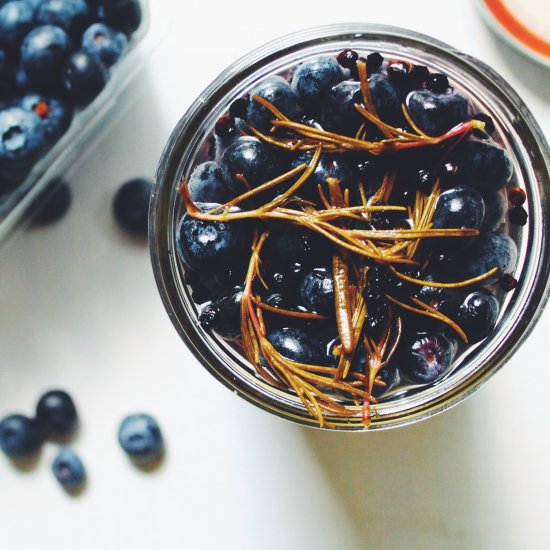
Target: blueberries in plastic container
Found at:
x=105, y=43
x=16, y=20
x=131, y=205
x=84, y=77
x=125, y=17
x=56, y=114
x=140, y=436
x=69, y=470
x=19, y=436
x=73, y=16
x=5, y=74
x=43, y=53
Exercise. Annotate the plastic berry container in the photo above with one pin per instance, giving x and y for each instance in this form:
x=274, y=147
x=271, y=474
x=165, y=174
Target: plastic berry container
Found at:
x=518, y=132
x=87, y=125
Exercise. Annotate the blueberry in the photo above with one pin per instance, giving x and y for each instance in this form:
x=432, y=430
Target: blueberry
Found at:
x=206, y=184
x=224, y=314
x=43, y=53
x=56, y=413
x=347, y=59
x=16, y=20
x=278, y=92
x=84, y=77
x=436, y=113
x=495, y=210
x=125, y=17
x=140, y=436
x=389, y=374
x=489, y=251
x=339, y=112
x=458, y=208
x=105, y=43
x=51, y=204
x=5, y=73
x=478, y=314
x=56, y=114
x=312, y=81
x=385, y=99
x=211, y=245
x=297, y=345
x=438, y=83
x=317, y=291
x=250, y=158
x=73, y=16
x=22, y=140
x=131, y=205
x=426, y=358
x=290, y=245
x=329, y=165
x=19, y=436
x=68, y=469
x=483, y=165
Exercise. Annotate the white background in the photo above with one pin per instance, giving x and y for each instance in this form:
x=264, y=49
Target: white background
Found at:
x=79, y=310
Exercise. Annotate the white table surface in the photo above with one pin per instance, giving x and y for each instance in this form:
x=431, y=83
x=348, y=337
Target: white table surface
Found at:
x=80, y=310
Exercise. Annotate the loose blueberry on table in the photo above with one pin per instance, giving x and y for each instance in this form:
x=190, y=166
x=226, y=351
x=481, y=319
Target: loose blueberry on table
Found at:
x=365, y=202
x=56, y=413
x=140, y=436
x=69, y=470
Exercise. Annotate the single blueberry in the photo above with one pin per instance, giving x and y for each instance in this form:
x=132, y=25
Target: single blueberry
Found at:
x=51, y=204
x=250, y=159
x=339, y=112
x=206, y=183
x=297, y=345
x=317, y=291
x=496, y=205
x=16, y=20
x=385, y=99
x=22, y=138
x=56, y=413
x=140, y=436
x=210, y=245
x=43, y=53
x=56, y=114
x=73, y=16
x=68, y=469
x=19, y=436
x=278, y=92
x=125, y=17
x=105, y=43
x=487, y=252
x=478, y=314
x=290, y=245
x=483, y=165
x=131, y=205
x=84, y=77
x=312, y=81
x=224, y=314
x=426, y=358
x=436, y=113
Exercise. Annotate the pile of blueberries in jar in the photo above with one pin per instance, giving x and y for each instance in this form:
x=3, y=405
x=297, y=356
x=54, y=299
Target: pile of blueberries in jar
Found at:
x=55, y=57
x=348, y=227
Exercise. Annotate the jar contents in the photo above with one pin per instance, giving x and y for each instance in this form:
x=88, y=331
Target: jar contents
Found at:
x=350, y=233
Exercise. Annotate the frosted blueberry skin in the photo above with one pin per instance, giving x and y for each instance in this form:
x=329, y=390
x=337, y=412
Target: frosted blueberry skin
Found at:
x=43, y=53
x=312, y=81
x=206, y=184
x=297, y=345
x=483, y=165
x=489, y=251
x=210, y=246
x=251, y=158
x=339, y=114
x=22, y=139
x=68, y=469
x=278, y=92
x=73, y=16
x=125, y=17
x=84, y=77
x=105, y=43
x=56, y=413
x=19, y=436
x=478, y=314
x=140, y=437
x=317, y=291
x=16, y=20
x=56, y=120
x=436, y=113
x=426, y=358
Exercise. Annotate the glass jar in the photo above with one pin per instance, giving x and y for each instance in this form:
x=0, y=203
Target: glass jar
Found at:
x=519, y=133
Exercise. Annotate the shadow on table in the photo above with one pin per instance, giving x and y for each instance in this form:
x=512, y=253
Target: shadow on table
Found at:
x=412, y=487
